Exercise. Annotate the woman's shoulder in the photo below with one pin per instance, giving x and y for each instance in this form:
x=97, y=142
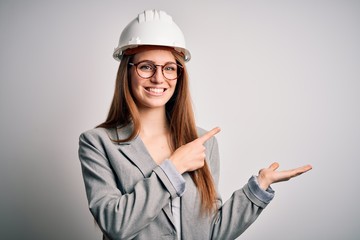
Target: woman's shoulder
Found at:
x=99, y=133
x=113, y=133
x=200, y=131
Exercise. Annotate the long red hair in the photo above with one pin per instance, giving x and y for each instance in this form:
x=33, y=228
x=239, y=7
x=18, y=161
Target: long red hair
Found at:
x=180, y=116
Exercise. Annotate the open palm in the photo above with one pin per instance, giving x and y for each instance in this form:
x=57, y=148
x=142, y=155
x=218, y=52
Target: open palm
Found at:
x=269, y=175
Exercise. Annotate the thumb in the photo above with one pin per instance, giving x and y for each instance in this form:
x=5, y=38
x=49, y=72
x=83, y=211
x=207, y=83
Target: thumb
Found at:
x=274, y=166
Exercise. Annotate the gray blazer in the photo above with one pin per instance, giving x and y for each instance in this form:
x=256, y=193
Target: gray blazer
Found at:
x=129, y=195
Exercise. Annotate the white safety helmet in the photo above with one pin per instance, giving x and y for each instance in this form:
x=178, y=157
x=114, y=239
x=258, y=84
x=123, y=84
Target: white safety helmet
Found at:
x=152, y=27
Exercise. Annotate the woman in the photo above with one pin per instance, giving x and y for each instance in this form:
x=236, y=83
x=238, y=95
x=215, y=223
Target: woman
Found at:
x=149, y=172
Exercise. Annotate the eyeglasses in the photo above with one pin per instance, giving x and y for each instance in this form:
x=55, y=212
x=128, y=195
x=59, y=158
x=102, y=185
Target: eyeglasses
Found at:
x=147, y=69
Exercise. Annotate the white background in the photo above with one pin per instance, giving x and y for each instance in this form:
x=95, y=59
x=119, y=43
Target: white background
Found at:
x=281, y=78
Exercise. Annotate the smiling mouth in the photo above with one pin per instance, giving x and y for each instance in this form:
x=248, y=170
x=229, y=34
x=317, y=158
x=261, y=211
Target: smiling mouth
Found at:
x=156, y=90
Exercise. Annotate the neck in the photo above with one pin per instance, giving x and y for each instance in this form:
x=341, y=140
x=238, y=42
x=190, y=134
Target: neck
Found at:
x=153, y=121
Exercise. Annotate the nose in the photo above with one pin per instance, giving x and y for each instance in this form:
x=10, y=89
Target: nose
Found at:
x=158, y=77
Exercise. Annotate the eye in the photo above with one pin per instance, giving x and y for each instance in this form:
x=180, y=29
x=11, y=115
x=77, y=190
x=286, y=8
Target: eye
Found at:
x=146, y=66
x=170, y=67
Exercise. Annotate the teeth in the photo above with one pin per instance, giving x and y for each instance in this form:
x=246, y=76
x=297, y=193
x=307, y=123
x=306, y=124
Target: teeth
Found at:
x=156, y=90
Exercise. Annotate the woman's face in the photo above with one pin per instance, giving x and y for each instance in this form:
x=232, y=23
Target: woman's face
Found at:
x=153, y=92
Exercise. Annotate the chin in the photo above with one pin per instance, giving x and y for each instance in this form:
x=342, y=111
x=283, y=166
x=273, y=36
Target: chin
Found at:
x=152, y=104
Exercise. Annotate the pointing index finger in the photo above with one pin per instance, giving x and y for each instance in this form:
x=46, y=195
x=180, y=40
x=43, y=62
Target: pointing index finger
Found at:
x=209, y=135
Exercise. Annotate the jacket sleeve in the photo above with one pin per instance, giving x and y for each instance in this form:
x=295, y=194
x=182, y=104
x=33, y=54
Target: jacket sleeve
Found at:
x=120, y=216
x=242, y=209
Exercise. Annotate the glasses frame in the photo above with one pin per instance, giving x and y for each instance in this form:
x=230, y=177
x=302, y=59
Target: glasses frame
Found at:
x=179, y=70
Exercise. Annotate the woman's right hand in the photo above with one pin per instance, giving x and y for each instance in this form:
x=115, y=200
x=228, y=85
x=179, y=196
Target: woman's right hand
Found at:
x=191, y=156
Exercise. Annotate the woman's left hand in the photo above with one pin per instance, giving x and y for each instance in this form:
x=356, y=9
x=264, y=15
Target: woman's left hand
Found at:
x=267, y=176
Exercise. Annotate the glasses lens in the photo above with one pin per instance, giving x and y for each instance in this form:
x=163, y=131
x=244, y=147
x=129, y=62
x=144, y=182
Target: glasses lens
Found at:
x=170, y=71
x=146, y=69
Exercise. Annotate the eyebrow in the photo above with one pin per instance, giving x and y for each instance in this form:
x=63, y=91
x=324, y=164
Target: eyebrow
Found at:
x=155, y=62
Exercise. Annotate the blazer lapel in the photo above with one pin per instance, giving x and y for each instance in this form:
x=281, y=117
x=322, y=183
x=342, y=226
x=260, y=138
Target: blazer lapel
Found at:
x=137, y=153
